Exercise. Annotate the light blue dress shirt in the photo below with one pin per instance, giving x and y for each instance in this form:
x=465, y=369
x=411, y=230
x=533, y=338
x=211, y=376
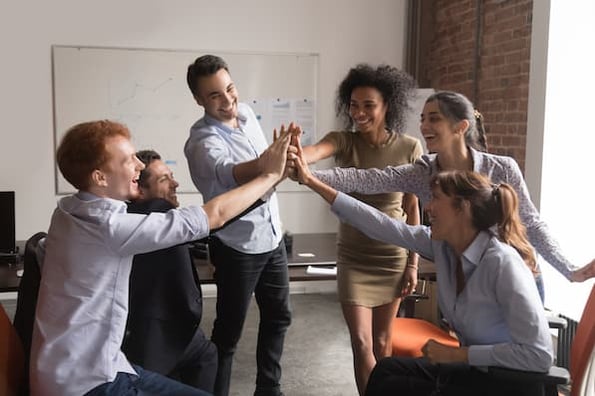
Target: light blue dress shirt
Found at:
x=212, y=151
x=83, y=296
x=416, y=178
x=498, y=315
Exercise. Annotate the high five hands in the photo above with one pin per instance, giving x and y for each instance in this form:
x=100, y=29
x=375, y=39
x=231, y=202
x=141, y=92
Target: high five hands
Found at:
x=296, y=167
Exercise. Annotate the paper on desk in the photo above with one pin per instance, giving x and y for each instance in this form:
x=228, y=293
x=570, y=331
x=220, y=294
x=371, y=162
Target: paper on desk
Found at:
x=315, y=270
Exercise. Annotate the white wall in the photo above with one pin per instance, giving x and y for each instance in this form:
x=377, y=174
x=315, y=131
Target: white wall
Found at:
x=561, y=138
x=343, y=32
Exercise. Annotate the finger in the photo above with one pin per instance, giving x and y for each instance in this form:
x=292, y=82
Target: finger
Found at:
x=275, y=137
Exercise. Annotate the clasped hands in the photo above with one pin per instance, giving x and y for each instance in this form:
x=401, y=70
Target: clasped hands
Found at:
x=436, y=352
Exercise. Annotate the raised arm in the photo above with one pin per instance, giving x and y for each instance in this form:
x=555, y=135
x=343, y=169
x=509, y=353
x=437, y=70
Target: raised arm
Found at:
x=367, y=219
x=409, y=178
x=539, y=234
x=271, y=165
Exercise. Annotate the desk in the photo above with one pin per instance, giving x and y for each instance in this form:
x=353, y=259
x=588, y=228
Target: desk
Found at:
x=307, y=249
x=9, y=281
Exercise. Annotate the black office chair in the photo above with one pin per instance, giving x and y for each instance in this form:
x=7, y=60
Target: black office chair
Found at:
x=27, y=301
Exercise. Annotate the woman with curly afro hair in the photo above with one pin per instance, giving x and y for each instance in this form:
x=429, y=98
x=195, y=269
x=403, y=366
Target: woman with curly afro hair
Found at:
x=372, y=276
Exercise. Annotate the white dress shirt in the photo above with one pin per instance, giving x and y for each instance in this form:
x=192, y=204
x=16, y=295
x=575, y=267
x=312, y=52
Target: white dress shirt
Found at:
x=83, y=296
x=213, y=150
x=498, y=315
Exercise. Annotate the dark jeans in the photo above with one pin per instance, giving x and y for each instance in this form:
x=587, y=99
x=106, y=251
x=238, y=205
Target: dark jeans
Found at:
x=147, y=383
x=238, y=275
x=418, y=377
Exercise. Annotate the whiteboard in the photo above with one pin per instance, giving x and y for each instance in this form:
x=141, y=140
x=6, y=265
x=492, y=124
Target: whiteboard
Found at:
x=146, y=90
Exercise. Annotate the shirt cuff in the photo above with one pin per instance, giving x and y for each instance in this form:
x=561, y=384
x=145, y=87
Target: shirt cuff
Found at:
x=480, y=355
x=341, y=203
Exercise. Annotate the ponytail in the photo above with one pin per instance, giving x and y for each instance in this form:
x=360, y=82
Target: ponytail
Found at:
x=510, y=228
x=491, y=205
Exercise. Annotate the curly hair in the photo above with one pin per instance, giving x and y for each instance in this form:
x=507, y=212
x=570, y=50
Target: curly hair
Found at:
x=395, y=86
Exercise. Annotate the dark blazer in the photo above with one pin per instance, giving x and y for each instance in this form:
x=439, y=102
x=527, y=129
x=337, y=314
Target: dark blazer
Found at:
x=165, y=302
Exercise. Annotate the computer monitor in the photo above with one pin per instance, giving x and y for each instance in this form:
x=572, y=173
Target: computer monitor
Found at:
x=7, y=233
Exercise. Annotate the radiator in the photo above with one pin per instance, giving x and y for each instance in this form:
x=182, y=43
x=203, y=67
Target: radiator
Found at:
x=565, y=337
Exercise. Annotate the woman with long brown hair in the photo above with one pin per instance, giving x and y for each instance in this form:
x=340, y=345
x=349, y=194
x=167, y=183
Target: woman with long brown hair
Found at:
x=487, y=292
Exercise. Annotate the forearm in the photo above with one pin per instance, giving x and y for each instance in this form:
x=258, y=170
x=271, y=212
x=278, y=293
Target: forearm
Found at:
x=225, y=206
x=411, y=208
x=246, y=171
x=326, y=192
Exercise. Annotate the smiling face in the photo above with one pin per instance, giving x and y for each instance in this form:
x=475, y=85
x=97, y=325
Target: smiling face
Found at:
x=446, y=218
x=219, y=97
x=367, y=109
x=160, y=183
x=440, y=133
x=118, y=177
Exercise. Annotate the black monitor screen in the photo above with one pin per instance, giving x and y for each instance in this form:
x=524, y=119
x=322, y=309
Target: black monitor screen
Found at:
x=7, y=235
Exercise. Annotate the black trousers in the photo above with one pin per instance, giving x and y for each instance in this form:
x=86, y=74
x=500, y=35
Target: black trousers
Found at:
x=198, y=365
x=237, y=276
x=418, y=377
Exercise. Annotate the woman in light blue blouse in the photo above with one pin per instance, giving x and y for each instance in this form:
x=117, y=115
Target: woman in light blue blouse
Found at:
x=453, y=130
x=487, y=294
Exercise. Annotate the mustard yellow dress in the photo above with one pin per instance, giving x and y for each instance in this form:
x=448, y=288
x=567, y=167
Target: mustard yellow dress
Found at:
x=368, y=271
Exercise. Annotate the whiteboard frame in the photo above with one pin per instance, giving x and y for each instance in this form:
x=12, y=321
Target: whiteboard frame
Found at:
x=67, y=110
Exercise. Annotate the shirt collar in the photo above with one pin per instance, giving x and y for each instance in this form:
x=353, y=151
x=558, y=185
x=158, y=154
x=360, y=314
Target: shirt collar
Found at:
x=477, y=159
x=475, y=251
x=242, y=119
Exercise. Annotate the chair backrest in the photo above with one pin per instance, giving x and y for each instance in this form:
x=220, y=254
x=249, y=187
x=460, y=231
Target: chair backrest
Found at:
x=12, y=358
x=27, y=298
x=583, y=345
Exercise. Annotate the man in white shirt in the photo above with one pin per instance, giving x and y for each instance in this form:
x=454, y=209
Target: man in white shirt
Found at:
x=83, y=296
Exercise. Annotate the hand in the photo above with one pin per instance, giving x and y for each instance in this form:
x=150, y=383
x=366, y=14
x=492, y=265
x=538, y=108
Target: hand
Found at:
x=584, y=273
x=296, y=133
x=274, y=159
x=436, y=352
x=409, y=280
x=300, y=169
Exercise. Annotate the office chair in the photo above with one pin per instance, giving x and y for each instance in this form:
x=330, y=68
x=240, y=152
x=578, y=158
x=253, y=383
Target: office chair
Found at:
x=410, y=334
x=582, y=361
x=12, y=358
x=27, y=300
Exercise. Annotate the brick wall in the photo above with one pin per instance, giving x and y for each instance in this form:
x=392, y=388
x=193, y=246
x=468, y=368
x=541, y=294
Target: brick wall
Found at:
x=498, y=80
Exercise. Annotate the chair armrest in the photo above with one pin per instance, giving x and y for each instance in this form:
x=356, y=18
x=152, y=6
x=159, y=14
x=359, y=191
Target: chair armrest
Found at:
x=555, y=376
x=557, y=322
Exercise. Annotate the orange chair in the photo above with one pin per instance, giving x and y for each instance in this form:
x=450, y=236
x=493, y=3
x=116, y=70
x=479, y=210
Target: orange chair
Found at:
x=12, y=358
x=411, y=334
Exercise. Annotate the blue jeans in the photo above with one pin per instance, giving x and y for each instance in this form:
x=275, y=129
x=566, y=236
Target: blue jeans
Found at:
x=540, y=286
x=237, y=276
x=147, y=383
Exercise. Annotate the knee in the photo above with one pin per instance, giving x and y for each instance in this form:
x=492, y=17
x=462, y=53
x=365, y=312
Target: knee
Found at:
x=382, y=345
x=361, y=344
x=279, y=318
x=210, y=354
